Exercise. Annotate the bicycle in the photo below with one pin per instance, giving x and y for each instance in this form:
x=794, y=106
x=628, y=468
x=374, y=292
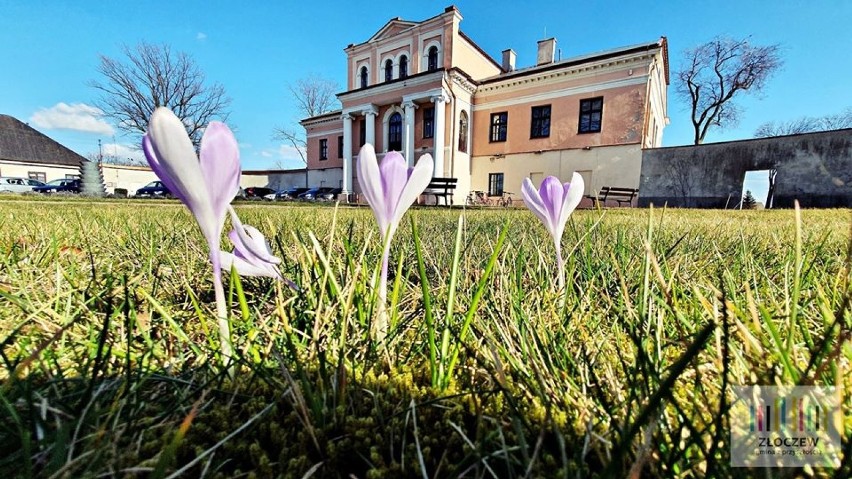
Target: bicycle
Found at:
x=477, y=198
x=506, y=199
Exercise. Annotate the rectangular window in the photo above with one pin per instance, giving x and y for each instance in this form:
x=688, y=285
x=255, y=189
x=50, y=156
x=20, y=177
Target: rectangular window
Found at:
x=323, y=149
x=591, y=113
x=540, y=125
x=340, y=147
x=362, y=133
x=495, y=184
x=499, y=123
x=429, y=123
x=72, y=177
x=37, y=175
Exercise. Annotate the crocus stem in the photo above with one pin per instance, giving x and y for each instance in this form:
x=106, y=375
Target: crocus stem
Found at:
x=383, y=281
x=381, y=326
x=560, y=264
x=221, y=309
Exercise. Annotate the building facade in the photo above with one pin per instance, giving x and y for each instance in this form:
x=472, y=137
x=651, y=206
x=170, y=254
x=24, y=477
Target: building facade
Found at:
x=27, y=153
x=126, y=177
x=276, y=179
x=426, y=87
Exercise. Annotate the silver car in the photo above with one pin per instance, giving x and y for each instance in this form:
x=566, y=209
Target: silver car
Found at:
x=18, y=185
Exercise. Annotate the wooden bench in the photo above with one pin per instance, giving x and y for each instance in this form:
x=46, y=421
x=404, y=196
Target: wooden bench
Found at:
x=442, y=188
x=619, y=195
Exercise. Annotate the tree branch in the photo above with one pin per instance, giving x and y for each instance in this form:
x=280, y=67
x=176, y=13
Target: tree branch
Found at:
x=151, y=76
x=715, y=74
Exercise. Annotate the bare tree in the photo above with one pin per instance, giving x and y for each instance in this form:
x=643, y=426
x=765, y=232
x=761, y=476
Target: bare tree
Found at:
x=314, y=96
x=715, y=73
x=802, y=125
x=151, y=76
x=838, y=121
x=770, y=194
x=806, y=124
x=114, y=160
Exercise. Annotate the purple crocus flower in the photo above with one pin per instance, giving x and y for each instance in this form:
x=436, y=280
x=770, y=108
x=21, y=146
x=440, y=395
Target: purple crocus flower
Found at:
x=252, y=255
x=390, y=189
x=205, y=184
x=553, y=203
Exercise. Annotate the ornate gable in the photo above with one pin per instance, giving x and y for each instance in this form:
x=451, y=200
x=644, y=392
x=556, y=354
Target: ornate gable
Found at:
x=392, y=28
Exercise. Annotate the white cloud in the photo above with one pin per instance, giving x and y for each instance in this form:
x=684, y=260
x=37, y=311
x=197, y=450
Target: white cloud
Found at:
x=123, y=151
x=284, y=152
x=76, y=116
x=201, y=36
x=287, y=152
x=285, y=156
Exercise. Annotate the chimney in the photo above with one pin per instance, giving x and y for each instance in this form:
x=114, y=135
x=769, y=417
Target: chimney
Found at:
x=508, y=60
x=546, y=49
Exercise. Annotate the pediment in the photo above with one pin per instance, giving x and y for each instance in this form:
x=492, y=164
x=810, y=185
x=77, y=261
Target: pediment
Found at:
x=391, y=29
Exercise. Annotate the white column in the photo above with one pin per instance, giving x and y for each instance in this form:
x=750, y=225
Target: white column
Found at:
x=408, y=132
x=440, y=113
x=347, y=154
x=370, y=119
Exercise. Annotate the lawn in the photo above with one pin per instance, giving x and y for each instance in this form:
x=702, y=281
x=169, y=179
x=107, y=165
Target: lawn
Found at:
x=111, y=366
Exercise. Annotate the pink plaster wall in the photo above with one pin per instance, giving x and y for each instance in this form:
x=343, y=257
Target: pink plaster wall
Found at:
x=330, y=131
x=622, y=118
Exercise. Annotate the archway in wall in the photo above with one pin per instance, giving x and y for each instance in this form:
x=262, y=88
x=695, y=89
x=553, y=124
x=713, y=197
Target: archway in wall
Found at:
x=761, y=185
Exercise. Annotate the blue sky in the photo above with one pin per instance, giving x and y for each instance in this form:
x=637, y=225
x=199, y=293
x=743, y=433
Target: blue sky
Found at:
x=254, y=49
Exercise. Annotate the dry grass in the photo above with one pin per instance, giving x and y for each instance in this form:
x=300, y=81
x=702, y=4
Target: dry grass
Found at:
x=111, y=368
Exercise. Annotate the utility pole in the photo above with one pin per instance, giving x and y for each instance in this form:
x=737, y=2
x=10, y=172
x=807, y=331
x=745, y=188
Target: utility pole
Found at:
x=100, y=152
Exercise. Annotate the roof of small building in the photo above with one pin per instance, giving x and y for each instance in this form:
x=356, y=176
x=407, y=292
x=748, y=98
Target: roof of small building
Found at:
x=21, y=142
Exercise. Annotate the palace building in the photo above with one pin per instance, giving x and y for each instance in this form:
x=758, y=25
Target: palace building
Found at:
x=426, y=87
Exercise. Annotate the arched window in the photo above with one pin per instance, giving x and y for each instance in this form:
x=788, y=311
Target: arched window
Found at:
x=395, y=132
x=463, y=132
x=388, y=70
x=403, y=66
x=363, y=77
x=432, y=63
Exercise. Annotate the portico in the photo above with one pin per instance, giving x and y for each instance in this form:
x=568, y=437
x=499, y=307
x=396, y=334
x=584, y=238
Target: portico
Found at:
x=383, y=115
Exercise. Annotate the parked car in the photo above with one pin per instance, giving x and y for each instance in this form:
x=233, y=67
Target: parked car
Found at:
x=328, y=194
x=310, y=194
x=256, y=192
x=290, y=193
x=18, y=185
x=154, y=189
x=62, y=184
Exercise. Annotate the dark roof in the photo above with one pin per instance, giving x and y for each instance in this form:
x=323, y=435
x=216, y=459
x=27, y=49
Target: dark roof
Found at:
x=329, y=114
x=582, y=59
x=21, y=142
